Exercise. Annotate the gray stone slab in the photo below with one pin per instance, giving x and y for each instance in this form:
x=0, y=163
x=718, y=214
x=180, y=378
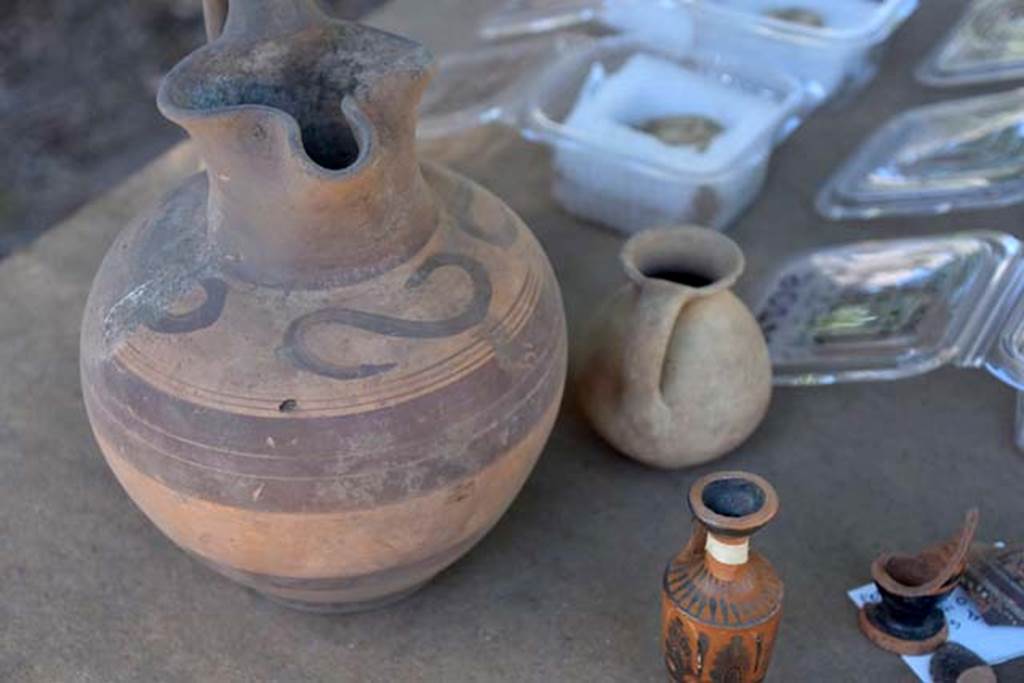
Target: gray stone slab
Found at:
x=566, y=587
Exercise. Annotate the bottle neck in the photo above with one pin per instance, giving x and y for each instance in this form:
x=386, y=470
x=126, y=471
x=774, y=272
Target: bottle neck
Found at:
x=725, y=556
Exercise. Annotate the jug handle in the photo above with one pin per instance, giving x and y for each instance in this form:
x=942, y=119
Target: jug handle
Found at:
x=260, y=18
x=698, y=540
x=658, y=309
x=215, y=14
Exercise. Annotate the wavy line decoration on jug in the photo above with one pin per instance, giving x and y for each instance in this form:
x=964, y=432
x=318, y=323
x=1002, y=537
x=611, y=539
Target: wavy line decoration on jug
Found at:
x=297, y=348
x=446, y=317
x=202, y=305
x=174, y=287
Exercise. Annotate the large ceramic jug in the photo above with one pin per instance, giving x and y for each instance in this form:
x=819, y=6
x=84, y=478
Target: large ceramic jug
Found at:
x=321, y=368
x=676, y=371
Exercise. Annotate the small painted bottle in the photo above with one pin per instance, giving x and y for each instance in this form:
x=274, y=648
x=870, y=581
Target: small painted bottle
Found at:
x=722, y=603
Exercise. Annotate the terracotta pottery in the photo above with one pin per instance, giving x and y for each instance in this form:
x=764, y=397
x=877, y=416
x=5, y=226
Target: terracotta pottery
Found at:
x=722, y=603
x=908, y=620
x=321, y=368
x=677, y=371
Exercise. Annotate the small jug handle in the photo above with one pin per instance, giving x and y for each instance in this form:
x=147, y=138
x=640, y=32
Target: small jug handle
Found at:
x=649, y=337
x=215, y=14
x=698, y=540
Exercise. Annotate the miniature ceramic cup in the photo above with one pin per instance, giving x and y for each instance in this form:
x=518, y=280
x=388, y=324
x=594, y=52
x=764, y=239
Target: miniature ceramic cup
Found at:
x=677, y=372
x=908, y=620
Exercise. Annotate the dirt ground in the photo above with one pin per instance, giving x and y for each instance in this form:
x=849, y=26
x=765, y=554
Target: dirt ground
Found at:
x=78, y=79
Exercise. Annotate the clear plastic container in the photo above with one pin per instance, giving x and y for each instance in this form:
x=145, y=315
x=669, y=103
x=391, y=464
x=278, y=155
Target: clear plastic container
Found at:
x=669, y=24
x=485, y=85
x=891, y=309
x=642, y=137
x=832, y=47
x=953, y=155
x=987, y=44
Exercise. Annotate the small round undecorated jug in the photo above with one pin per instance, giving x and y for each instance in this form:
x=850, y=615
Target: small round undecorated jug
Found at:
x=677, y=371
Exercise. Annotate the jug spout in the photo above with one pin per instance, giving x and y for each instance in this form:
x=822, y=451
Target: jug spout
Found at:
x=307, y=128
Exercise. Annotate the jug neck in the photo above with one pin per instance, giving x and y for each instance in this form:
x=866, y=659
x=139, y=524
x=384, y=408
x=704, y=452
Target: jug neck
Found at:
x=729, y=507
x=307, y=127
x=276, y=218
x=726, y=556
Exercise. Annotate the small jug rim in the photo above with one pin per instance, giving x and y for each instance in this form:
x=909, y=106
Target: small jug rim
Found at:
x=722, y=260
x=738, y=524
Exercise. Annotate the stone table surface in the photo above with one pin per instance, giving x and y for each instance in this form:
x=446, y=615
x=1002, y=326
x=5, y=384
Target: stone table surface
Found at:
x=566, y=587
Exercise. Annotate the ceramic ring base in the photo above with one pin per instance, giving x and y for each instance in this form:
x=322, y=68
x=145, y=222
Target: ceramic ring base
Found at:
x=345, y=607
x=874, y=629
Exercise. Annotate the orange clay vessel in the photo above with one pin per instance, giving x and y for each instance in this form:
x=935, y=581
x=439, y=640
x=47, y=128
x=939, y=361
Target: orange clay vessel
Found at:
x=721, y=603
x=321, y=368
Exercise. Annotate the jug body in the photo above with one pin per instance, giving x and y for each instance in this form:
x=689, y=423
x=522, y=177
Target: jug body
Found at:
x=677, y=370
x=321, y=368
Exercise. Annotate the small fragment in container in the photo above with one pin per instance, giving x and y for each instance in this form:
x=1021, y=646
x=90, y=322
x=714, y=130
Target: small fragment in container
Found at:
x=798, y=15
x=684, y=131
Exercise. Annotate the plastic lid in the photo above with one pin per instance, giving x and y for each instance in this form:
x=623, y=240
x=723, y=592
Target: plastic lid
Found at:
x=530, y=17
x=987, y=44
x=485, y=85
x=1005, y=357
x=825, y=21
x=818, y=21
x=895, y=308
x=954, y=155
